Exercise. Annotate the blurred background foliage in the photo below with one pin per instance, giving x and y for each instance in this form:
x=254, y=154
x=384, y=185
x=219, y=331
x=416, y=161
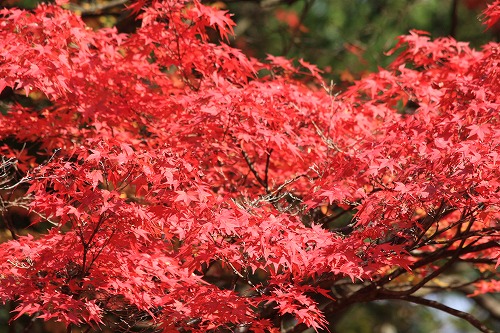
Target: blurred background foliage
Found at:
x=347, y=39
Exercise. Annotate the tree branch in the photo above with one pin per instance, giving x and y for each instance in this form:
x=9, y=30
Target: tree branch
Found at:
x=252, y=169
x=437, y=272
x=454, y=18
x=295, y=31
x=454, y=312
x=266, y=174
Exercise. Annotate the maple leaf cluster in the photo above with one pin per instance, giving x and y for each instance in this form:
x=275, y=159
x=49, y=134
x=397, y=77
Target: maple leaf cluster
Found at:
x=200, y=189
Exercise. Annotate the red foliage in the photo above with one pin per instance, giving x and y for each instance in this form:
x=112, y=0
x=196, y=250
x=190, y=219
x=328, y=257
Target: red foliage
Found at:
x=492, y=14
x=180, y=161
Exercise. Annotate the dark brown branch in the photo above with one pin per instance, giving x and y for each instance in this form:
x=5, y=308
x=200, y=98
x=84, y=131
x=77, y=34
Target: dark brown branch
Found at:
x=436, y=305
x=266, y=175
x=488, y=303
x=307, y=6
x=437, y=255
x=286, y=183
x=437, y=272
x=488, y=261
x=464, y=216
x=447, y=253
x=454, y=18
x=9, y=224
x=429, y=220
x=252, y=168
x=87, y=244
x=96, y=255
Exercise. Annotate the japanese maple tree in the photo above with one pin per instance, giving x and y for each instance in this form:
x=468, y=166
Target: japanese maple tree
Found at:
x=190, y=188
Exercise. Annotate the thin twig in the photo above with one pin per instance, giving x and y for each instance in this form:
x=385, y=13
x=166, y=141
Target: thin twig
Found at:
x=252, y=168
x=286, y=183
x=328, y=141
x=266, y=175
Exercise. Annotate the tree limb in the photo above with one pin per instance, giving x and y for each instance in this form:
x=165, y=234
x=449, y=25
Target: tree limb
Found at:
x=454, y=312
x=252, y=169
